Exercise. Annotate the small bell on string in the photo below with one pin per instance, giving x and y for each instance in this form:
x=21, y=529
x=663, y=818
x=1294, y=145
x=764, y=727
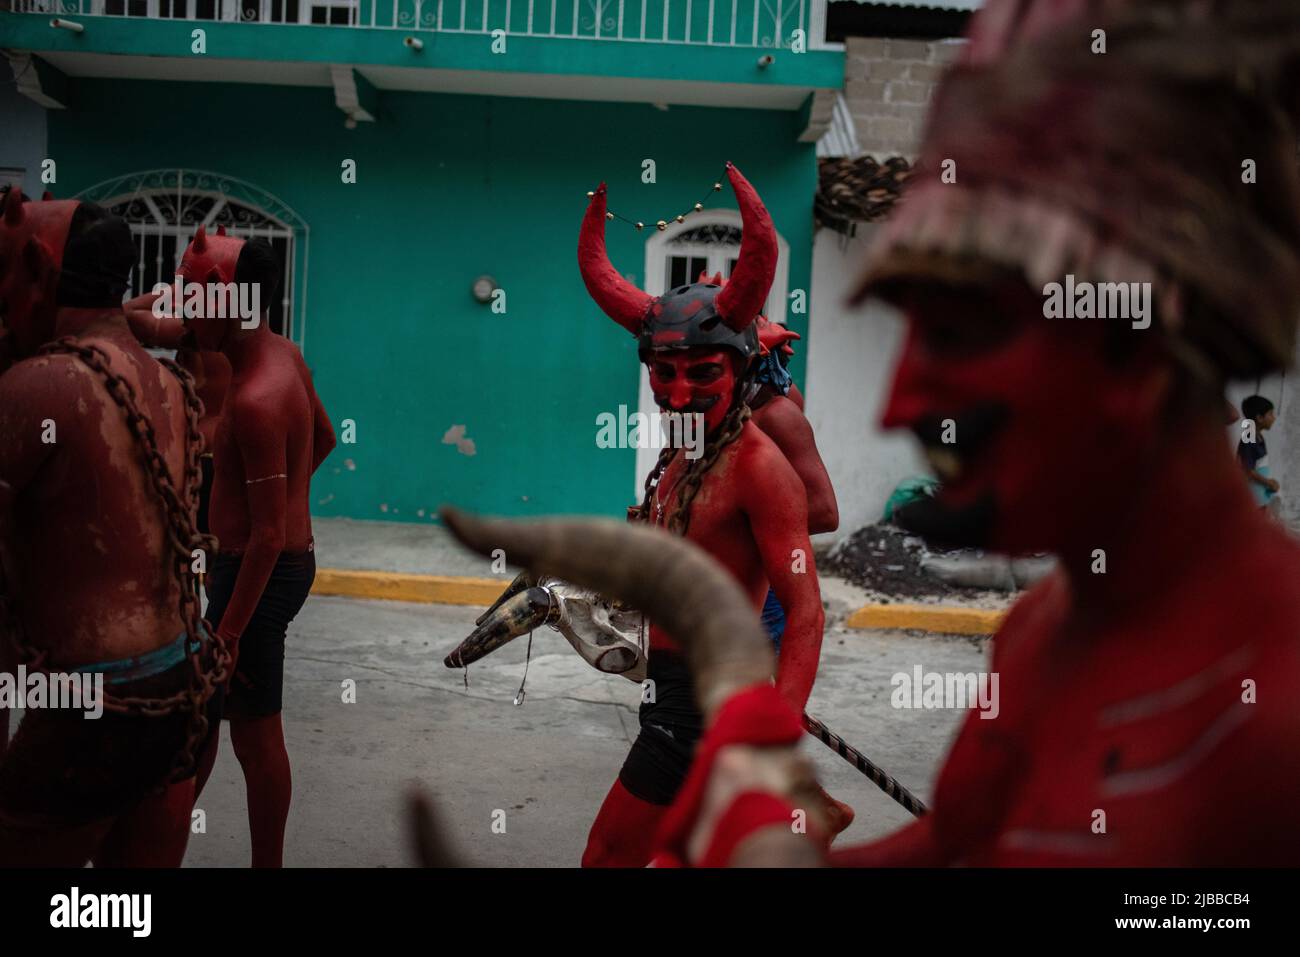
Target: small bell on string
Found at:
x=640, y=226
x=661, y=225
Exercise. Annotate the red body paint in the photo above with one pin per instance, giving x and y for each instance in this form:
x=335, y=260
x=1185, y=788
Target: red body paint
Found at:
x=1124, y=691
x=271, y=436
x=750, y=512
x=82, y=534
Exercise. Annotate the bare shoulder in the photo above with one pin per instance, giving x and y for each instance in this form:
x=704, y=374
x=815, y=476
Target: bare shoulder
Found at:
x=759, y=455
x=46, y=384
x=276, y=378
x=779, y=413
x=757, y=449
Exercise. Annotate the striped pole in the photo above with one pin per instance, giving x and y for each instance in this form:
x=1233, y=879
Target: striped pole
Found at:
x=860, y=761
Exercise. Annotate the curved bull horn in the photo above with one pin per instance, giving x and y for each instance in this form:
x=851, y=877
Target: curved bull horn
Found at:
x=672, y=581
x=522, y=581
x=519, y=614
x=743, y=296
x=621, y=300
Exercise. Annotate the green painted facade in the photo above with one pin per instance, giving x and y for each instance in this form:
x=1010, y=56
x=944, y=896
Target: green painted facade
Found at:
x=451, y=187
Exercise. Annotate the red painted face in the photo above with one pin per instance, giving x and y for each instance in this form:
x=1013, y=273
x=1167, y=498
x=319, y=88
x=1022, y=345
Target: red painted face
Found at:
x=209, y=259
x=32, y=238
x=1033, y=428
x=694, y=380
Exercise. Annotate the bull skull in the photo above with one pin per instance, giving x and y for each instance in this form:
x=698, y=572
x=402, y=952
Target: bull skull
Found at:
x=607, y=635
x=683, y=589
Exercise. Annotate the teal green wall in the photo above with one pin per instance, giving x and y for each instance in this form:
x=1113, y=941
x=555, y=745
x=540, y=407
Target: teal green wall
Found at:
x=449, y=188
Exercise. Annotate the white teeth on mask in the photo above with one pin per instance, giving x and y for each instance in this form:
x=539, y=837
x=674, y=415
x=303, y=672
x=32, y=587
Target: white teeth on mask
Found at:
x=946, y=463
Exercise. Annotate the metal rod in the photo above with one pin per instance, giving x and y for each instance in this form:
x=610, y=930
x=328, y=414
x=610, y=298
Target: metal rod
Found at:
x=860, y=761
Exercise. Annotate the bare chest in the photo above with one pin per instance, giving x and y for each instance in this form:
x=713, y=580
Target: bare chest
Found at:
x=1092, y=753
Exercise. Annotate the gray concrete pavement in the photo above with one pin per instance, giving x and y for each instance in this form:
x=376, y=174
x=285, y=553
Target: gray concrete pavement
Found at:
x=406, y=547
x=546, y=764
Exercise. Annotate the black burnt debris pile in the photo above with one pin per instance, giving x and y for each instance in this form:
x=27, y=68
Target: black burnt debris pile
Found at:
x=887, y=560
x=897, y=566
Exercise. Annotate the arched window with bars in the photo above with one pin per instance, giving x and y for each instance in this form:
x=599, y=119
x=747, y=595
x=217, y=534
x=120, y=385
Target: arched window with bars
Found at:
x=164, y=208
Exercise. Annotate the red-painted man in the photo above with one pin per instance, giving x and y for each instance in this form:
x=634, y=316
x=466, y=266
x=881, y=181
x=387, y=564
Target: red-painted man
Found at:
x=739, y=499
x=777, y=408
x=98, y=491
x=1146, y=688
x=210, y=371
x=272, y=436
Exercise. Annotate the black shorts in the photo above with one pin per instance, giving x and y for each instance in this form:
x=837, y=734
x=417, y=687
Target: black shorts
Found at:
x=63, y=769
x=257, y=689
x=671, y=726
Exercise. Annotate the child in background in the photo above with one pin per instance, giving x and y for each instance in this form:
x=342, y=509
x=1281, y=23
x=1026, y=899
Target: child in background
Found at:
x=1253, y=455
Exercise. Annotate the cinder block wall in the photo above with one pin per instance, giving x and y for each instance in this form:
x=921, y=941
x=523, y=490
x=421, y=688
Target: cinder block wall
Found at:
x=888, y=85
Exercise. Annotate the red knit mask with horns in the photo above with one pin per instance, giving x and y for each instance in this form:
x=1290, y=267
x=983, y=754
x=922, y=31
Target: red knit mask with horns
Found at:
x=32, y=240
x=210, y=259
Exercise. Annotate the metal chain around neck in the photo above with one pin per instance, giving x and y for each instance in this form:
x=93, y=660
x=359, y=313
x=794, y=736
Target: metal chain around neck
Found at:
x=680, y=518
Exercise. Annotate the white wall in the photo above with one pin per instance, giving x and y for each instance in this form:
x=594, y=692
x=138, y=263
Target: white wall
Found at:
x=850, y=357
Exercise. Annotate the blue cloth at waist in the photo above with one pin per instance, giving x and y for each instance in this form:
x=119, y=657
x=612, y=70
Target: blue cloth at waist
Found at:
x=146, y=665
x=774, y=619
x=1261, y=493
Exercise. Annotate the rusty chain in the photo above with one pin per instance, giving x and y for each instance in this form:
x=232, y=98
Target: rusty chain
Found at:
x=680, y=518
x=210, y=661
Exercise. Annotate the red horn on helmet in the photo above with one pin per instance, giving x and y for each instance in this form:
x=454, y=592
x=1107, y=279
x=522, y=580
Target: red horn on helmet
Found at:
x=221, y=230
x=200, y=240
x=743, y=296
x=621, y=301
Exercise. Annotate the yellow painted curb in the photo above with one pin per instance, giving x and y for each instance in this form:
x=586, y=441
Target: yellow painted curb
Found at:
x=456, y=590
x=397, y=586
x=946, y=619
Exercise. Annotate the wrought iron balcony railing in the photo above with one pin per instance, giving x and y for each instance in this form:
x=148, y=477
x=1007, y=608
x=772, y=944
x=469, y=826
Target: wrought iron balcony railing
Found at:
x=734, y=23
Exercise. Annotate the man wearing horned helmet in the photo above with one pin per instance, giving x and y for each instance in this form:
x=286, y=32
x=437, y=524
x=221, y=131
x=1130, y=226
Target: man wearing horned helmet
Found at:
x=741, y=501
